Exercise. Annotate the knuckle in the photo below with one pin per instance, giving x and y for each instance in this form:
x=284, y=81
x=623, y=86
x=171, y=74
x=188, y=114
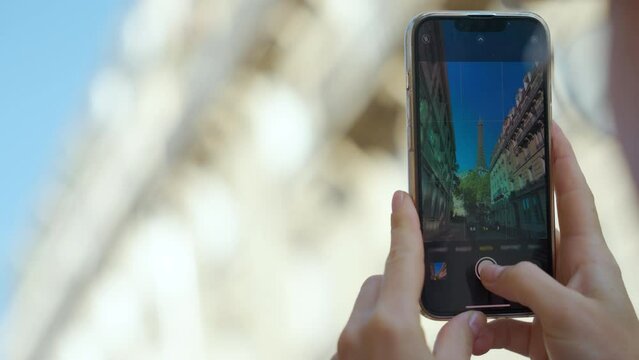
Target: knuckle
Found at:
x=347, y=342
x=565, y=314
x=613, y=268
x=523, y=268
x=398, y=221
x=398, y=234
x=515, y=276
x=589, y=196
x=371, y=281
x=383, y=326
x=401, y=249
x=394, y=252
x=397, y=256
x=401, y=221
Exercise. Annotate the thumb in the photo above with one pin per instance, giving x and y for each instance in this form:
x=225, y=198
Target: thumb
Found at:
x=529, y=285
x=455, y=340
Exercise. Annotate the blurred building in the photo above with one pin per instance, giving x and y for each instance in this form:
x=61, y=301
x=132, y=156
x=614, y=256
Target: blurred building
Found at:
x=517, y=166
x=230, y=187
x=438, y=159
x=229, y=148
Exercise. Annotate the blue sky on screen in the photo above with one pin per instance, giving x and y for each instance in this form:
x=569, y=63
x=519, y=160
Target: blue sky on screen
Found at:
x=50, y=50
x=485, y=90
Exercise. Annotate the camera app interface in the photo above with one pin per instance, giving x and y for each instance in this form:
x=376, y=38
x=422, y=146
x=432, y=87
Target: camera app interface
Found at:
x=481, y=155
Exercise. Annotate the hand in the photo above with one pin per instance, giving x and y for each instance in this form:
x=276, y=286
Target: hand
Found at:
x=586, y=312
x=384, y=323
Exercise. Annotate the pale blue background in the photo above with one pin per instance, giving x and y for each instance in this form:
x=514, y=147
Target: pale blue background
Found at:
x=49, y=51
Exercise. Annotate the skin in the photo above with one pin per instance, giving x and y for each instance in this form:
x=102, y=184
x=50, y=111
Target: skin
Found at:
x=583, y=314
x=624, y=79
x=384, y=323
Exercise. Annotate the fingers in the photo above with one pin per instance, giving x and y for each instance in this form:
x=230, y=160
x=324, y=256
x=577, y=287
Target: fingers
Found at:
x=362, y=311
x=366, y=300
x=455, y=340
x=575, y=203
x=509, y=334
x=527, y=284
x=404, y=272
x=582, y=239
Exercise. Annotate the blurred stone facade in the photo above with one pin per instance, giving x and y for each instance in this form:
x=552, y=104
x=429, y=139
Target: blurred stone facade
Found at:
x=238, y=158
x=231, y=189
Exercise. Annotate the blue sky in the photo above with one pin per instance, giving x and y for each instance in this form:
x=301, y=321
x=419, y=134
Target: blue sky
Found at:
x=50, y=50
x=485, y=87
x=483, y=90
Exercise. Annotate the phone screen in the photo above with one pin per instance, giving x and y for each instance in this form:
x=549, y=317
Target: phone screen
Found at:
x=481, y=150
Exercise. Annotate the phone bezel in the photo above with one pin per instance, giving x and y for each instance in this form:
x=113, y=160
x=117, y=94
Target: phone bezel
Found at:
x=409, y=41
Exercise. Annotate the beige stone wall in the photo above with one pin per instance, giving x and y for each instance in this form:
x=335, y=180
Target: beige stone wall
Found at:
x=233, y=207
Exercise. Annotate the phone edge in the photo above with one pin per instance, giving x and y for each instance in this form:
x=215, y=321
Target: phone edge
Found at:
x=410, y=126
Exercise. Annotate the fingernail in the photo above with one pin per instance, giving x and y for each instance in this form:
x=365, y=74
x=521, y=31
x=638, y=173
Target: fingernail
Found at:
x=474, y=323
x=398, y=199
x=490, y=272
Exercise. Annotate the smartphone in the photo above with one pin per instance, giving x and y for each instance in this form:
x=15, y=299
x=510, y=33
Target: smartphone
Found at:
x=478, y=111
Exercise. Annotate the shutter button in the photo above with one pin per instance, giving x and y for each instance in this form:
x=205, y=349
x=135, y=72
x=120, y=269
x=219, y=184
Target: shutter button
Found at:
x=481, y=262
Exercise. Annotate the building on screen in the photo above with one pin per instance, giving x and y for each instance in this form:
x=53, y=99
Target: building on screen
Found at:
x=517, y=166
x=437, y=150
